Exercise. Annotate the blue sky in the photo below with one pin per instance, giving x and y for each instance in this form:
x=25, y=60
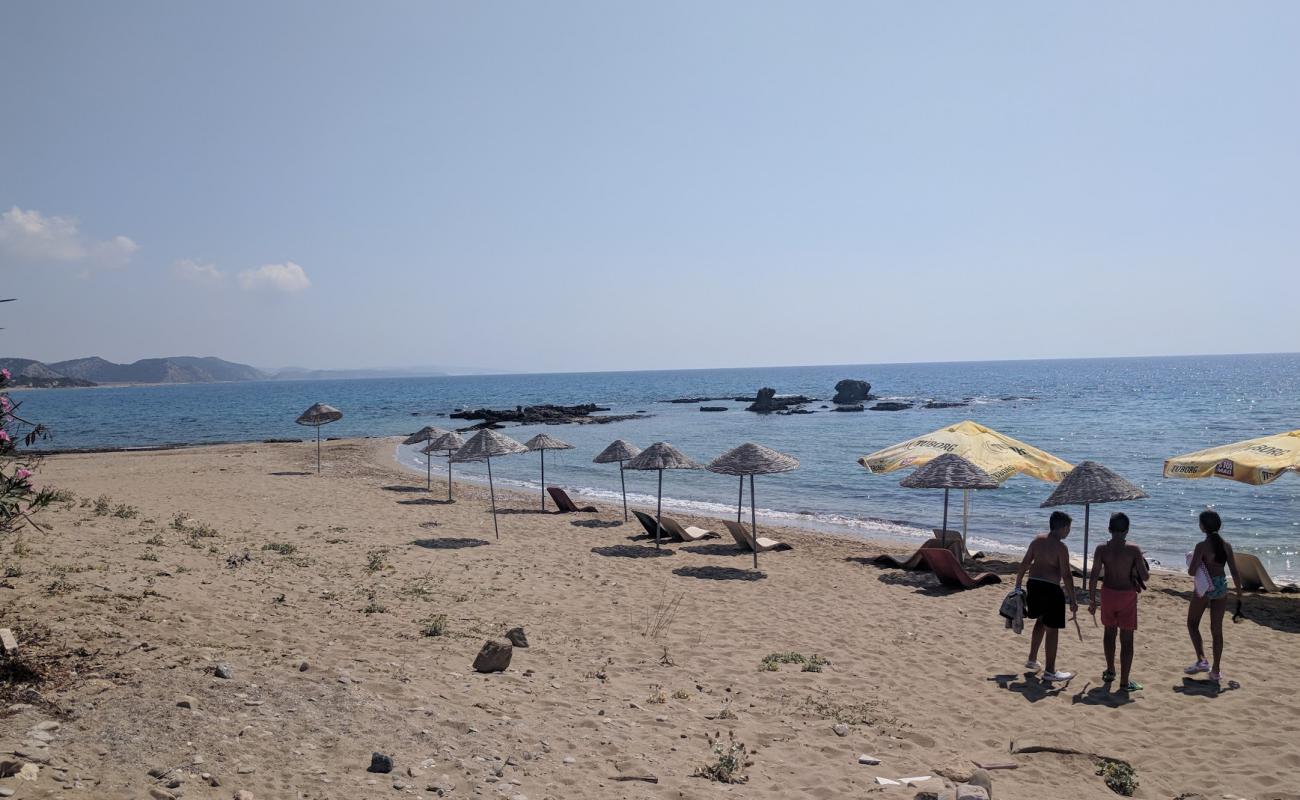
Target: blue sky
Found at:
x=573, y=186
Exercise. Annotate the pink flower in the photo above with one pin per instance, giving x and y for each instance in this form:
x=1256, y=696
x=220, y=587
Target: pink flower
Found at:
x=5, y=405
x=4, y=435
x=4, y=373
x=23, y=474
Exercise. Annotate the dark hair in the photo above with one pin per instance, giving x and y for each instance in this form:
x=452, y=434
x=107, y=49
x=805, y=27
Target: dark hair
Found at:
x=1119, y=522
x=1058, y=520
x=1211, y=522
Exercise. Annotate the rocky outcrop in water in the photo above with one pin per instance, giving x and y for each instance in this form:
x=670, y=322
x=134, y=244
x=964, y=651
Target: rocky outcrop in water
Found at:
x=890, y=406
x=851, y=392
x=546, y=414
x=767, y=402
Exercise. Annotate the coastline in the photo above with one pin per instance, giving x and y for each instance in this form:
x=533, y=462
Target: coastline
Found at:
x=241, y=555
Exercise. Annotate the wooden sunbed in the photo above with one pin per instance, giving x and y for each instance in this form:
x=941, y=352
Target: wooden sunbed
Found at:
x=563, y=503
x=747, y=542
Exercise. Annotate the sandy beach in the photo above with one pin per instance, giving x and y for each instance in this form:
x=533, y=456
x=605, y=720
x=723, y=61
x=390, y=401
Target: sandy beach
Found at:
x=318, y=594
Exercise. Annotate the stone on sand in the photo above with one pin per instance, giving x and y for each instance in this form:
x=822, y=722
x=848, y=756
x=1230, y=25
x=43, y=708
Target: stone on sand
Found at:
x=494, y=657
x=517, y=637
x=380, y=763
x=223, y=671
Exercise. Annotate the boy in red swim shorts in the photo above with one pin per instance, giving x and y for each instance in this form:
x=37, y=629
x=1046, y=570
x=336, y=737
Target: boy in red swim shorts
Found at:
x=1123, y=572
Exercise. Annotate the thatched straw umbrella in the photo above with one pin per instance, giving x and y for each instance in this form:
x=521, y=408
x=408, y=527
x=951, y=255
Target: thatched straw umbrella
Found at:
x=316, y=416
x=949, y=471
x=620, y=451
x=661, y=456
x=450, y=443
x=752, y=459
x=1090, y=483
x=481, y=447
x=425, y=434
x=541, y=443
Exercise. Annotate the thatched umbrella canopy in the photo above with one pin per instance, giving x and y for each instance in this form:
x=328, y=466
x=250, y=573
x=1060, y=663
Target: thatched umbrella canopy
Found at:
x=752, y=459
x=425, y=434
x=620, y=451
x=482, y=446
x=449, y=443
x=1090, y=483
x=949, y=471
x=541, y=443
x=316, y=416
x=661, y=456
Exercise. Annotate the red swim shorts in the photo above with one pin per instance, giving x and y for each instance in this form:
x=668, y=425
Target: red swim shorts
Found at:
x=1119, y=608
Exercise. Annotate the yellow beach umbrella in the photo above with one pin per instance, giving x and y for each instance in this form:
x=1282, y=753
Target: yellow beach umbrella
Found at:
x=1254, y=461
x=997, y=454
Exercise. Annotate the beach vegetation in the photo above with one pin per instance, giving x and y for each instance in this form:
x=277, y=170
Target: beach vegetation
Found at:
x=375, y=560
x=13, y=571
x=682, y=694
x=59, y=585
x=661, y=617
x=21, y=548
x=156, y=540
x=657, y=695
x=102, y=505
x=124, y=511
x=148, y=555
x=1120, y=776
x=375, y=607
x=283, y=548
x=19, y=499
x=435, y=625
x=728, y=765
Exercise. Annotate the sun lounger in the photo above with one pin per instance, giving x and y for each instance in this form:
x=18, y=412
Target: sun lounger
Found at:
x=563, y=503
x=648, y=522
x=690, y=533
x=945, y=540
x=741, y=534
x=1252, y=574
x=950, y=572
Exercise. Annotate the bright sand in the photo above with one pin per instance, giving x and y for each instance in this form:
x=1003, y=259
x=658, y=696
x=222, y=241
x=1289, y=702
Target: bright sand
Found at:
x=634, y=660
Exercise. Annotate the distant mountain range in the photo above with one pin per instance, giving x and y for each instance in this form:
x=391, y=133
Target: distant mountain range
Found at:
x=175, y=369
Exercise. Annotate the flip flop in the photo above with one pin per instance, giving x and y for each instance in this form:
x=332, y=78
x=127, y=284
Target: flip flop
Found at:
x=1131, y=686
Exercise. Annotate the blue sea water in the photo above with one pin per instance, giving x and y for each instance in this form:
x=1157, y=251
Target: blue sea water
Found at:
x=1129, y=414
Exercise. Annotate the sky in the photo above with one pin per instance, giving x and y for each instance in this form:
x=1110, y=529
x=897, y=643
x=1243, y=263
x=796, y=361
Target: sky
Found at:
x=579, y=186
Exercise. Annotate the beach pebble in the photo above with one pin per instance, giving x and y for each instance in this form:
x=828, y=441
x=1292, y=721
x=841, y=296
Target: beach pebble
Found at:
x=223, y=671
x=866, y=759
x=29, y=772
x=186, y=701
x=412, y=772
x=47, y=725
x=5, y=791
x=517, y=637
x=443, y=786
x=303, y=666
x=982, y=779
x=570, y=760
x=494, y=656
x=380, y=763
x=841, y=729
x=967, y=791
x=161, y=794
x=243, y=794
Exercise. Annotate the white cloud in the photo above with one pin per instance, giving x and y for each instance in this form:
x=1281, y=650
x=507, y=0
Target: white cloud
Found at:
x=30, y=237
x=197, y=272
x=287, y=277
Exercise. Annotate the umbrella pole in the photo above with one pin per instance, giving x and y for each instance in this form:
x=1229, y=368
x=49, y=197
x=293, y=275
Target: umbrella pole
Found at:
x=944, y=534
x=428, y=472
x=740, y=499
x=659, y=509
x=1087, y=509
x=753, y=518
x=623, y=482
x=448, y=476
x=543, y=452
x=492, y=490
x=317, y=449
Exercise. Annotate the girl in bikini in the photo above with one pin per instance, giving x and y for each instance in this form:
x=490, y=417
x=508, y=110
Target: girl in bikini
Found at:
x=1215, y=555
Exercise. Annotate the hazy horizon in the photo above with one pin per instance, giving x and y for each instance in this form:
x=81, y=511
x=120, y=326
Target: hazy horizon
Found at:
x=594, y=187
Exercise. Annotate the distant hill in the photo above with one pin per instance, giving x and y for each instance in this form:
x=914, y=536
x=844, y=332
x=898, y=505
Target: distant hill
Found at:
x=95, y=370
x=26, y=372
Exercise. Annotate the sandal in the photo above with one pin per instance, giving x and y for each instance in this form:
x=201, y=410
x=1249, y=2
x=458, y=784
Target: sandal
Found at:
x=1200, y=666
x=1131, y=686
x=1107, y=676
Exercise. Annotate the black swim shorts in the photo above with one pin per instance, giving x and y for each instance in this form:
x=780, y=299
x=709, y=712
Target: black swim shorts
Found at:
x=1045, y=601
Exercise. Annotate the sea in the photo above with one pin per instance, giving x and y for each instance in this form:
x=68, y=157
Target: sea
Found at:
x=1129, y=414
